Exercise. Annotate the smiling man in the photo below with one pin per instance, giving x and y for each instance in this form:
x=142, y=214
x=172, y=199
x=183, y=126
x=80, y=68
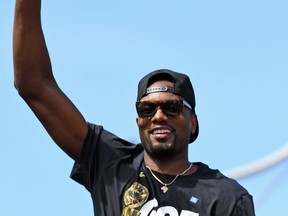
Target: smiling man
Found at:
x=154, y=177
x=166, y=121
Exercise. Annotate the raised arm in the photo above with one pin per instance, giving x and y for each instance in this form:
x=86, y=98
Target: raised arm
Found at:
x=36, y=85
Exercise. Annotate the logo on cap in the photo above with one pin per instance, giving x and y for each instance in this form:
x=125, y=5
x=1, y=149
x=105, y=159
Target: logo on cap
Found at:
x=159, y=89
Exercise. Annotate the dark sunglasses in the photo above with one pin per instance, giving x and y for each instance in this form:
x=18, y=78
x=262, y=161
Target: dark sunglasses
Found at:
x=170, y=108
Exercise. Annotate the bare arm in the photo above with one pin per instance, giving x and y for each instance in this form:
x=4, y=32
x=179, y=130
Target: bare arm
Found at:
x=36, y=85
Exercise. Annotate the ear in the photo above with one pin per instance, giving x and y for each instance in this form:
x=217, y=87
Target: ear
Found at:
x=194, y=123
x=137, y=119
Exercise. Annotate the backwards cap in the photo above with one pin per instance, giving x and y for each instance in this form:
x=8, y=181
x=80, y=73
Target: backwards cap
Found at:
x=182, y=87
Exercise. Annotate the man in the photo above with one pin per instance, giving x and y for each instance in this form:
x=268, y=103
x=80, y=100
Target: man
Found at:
x=151, y=178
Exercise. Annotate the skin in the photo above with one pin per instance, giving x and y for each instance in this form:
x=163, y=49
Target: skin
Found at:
x=35, y=83
x=166, y=152
x=34, y=80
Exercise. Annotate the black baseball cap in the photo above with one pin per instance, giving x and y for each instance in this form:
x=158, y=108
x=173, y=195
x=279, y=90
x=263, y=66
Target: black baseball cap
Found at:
x=182, y=87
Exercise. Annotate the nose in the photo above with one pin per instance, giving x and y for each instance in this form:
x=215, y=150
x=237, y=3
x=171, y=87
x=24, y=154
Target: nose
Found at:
x=159, y=116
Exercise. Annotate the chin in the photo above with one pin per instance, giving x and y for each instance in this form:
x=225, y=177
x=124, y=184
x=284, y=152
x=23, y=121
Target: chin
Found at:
x=161, y=150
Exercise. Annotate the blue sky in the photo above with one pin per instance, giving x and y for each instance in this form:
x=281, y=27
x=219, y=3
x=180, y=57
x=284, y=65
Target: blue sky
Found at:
x=235, y=53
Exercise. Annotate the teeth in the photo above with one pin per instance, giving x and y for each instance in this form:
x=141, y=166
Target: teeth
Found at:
x=161, y=131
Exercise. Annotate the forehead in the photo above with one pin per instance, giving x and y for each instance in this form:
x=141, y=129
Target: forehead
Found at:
x=161, y=96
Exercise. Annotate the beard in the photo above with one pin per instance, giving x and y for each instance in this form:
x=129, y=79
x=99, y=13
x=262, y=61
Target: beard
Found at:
x=160, y=150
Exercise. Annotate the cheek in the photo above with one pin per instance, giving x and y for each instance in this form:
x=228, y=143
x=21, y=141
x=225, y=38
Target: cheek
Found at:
x=139, y=122
x=142, y=123
x=142, y=128
x=187, y=118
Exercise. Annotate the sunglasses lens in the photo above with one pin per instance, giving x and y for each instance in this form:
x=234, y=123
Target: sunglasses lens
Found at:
x=170, y=108
x=146, y=109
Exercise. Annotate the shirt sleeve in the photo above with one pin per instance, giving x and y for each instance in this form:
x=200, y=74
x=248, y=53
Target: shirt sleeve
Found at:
x=244, y=206
x=101, y=149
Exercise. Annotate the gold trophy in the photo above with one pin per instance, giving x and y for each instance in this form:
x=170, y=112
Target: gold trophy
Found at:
x=135, y=196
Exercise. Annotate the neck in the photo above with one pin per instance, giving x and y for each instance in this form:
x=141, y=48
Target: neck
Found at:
x=169, y=166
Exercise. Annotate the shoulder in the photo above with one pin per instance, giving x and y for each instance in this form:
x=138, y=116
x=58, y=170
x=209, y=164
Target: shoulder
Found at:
x=224, y=191
x=219, y=182
x=102, y=138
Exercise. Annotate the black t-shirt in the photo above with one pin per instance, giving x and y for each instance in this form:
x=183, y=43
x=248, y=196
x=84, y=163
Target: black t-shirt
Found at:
x=113, y=171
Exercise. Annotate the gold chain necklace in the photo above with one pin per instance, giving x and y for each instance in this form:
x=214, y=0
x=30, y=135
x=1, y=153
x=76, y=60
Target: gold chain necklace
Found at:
x=165, y=188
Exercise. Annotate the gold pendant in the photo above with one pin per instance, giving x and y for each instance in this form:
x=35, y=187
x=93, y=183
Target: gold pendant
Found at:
x=141, y=175
x=164, y=189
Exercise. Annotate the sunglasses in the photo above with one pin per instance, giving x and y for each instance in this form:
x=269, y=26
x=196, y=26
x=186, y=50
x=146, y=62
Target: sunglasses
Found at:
x=170, y=108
